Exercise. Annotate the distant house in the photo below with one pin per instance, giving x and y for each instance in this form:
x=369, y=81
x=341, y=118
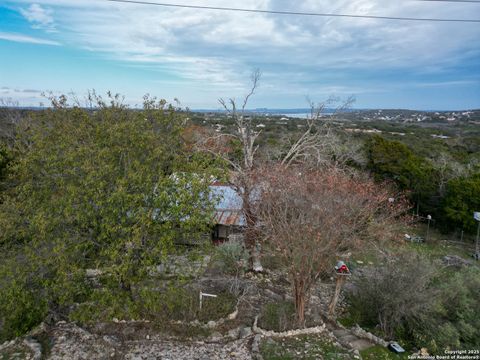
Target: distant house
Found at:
x=229, y=219
x=440, y=136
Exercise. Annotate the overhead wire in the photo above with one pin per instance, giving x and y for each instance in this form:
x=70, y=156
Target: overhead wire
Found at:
x=297, y=13
x=453, y=1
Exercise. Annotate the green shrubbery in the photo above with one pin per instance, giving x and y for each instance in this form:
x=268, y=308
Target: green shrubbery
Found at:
x=381, y=353
x=445, y=186
x=417, y=304
x=21, y=309
x=5, y=158
x=182, y=303
x=455, y=320
x=278, y=316
x=396, y=161
x=462, y=198
x=110, y=189
x=232, y=257
x=173, y=303
x=393, y=295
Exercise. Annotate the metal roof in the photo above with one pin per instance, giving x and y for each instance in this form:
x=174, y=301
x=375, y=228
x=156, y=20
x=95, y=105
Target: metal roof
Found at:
x=229, y=206
x=223, y=217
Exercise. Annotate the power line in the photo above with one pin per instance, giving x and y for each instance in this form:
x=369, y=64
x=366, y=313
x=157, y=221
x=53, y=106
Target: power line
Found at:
x=454, y=1
x=295, y=12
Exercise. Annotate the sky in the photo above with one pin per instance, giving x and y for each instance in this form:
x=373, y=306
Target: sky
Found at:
x=198, y=56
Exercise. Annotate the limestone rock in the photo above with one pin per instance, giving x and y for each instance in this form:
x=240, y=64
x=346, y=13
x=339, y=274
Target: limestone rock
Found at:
x=245, y=332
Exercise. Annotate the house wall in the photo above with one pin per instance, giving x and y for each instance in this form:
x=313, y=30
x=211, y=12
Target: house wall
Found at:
x=226, y=232
x=223, y=231
x=220, y=232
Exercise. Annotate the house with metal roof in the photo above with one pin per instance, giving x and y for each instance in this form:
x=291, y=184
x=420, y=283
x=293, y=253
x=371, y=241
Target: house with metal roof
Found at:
x=229, y=217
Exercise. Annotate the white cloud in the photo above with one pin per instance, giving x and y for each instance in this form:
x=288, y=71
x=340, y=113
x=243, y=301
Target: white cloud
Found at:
x=21, y=96
x=447, y=83
x=39, y=17
x=219, y=48
x=27, y=39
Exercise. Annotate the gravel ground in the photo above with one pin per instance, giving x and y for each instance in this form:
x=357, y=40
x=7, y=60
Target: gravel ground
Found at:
x=167, y=350
x=70, y=342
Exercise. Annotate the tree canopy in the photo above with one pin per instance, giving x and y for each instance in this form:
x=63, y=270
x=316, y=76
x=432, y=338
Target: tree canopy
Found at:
x=312, y=217
x=107, y=188
x=461, y=200
x=394, y=160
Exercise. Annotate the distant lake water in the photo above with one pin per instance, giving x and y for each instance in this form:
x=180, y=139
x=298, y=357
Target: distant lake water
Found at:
x=300, y=115
x=293, y=113
x=304, y=115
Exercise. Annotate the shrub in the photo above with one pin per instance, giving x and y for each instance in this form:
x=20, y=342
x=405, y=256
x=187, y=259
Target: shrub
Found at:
x=278, y=316
x=271, y=260
x=182, y=303
x=232, y=256
x=5, y=158
x=105, y=305
x=110, y=189
x=175, y=302
x=455, y=321
x=394, y=295
x=408, y=301
x=23, y=303
x=20, y=310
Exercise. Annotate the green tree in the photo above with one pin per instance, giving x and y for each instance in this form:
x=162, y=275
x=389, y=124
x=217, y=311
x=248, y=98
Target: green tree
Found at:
x=455, y=319
x=461, y=200
x=109, y=189
x=5, y=159
x=394, y=160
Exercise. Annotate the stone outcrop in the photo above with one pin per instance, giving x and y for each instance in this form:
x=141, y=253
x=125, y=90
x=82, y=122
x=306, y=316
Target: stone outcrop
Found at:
x=297, y=332
x=361, y=333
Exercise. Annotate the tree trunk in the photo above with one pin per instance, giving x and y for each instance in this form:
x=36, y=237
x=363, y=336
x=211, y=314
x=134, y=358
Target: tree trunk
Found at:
x=300, y=302
x=338, y=287
x=251, y=232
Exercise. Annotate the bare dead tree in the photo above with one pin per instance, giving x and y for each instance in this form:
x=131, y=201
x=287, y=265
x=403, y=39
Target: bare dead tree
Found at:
x=313, y=216
x=319, y=144
x=243, y=125
x=242, y=178
x=315, y=145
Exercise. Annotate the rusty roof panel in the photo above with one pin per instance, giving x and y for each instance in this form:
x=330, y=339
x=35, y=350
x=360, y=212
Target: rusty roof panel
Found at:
x=227, y=217
x=229, y=205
